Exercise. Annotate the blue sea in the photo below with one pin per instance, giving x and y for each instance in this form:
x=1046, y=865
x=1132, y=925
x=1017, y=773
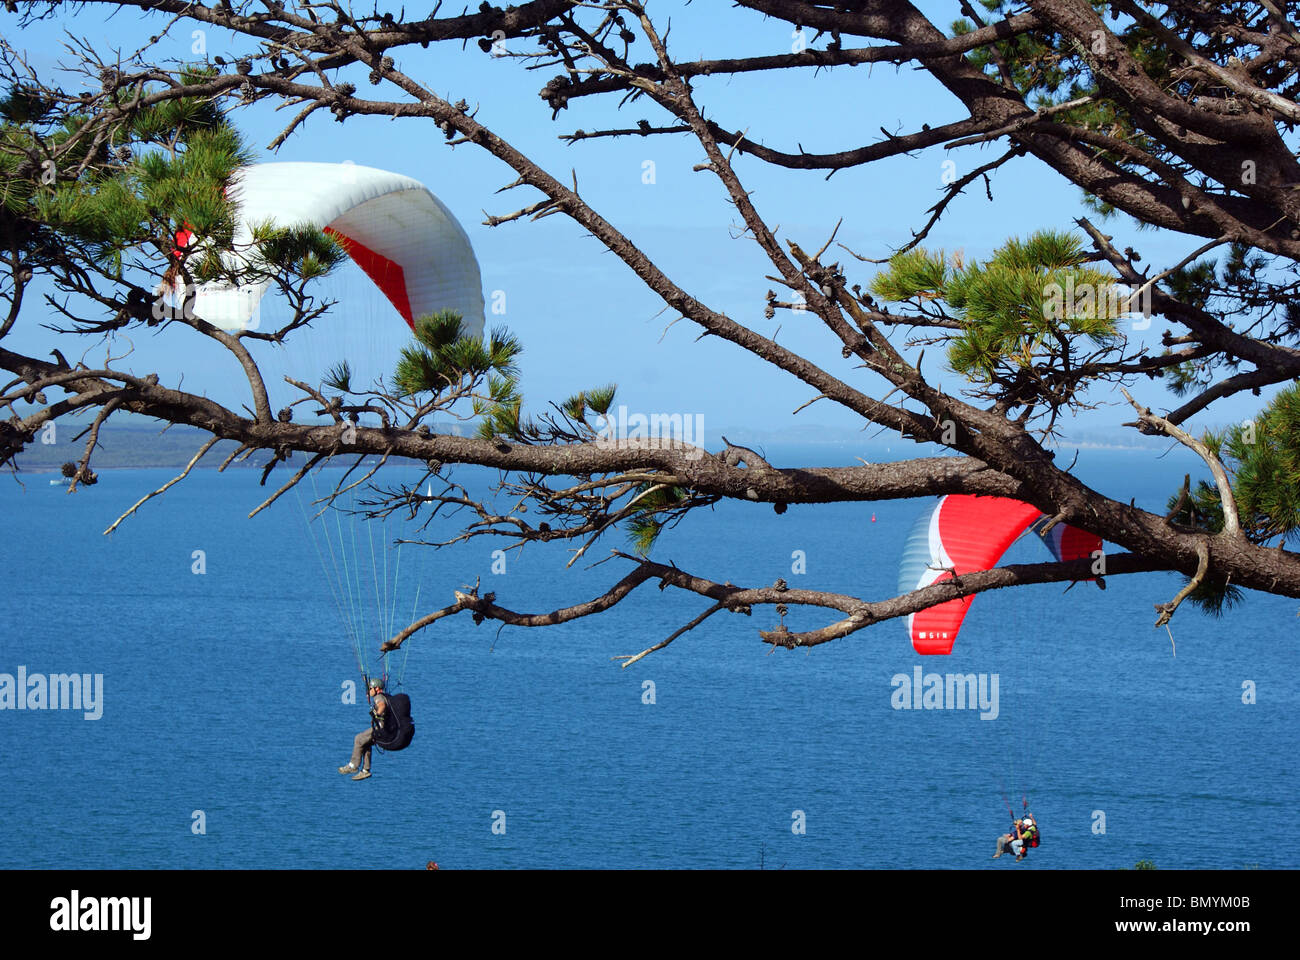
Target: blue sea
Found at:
x=224, y=714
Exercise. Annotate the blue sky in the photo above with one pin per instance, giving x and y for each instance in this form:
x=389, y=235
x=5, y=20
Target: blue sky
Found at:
x=584, y=318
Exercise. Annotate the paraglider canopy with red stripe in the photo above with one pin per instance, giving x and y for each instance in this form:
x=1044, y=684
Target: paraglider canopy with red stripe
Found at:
x=963, y=534
x=402, y=236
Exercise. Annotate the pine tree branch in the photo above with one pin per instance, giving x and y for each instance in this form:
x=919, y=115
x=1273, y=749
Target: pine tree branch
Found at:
x=1151, y=423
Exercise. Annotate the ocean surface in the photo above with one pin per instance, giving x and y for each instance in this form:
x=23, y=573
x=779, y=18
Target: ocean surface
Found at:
x=223, y=713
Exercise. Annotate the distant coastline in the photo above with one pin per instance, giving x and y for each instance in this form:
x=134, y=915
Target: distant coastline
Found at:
x=139, y=447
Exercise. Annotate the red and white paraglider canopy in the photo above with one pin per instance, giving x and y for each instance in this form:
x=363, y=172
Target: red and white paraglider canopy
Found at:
x=395, y=229
x=963, y=534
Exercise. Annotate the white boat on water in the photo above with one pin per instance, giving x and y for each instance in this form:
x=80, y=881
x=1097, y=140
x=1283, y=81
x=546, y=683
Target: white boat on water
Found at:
x=61, y=482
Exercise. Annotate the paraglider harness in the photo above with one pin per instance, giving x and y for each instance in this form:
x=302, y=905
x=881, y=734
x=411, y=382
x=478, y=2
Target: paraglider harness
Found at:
x=1032, y=840
x=398, y=728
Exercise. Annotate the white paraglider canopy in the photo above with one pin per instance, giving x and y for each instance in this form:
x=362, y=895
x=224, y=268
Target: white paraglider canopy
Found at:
x=396, y=230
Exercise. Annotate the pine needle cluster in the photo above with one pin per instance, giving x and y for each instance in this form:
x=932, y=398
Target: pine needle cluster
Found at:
x=1026, y=305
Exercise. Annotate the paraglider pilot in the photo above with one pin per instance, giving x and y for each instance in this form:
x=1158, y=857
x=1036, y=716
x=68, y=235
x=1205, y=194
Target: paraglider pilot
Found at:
x=361, y=746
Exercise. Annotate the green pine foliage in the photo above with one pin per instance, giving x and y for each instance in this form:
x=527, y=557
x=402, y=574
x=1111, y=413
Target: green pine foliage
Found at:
x=1032, y=300
x=597, y=401
x=1262, y=458
x=163, y=171
x=303, y=253
x=161, y=174
x=1245, y=285
x=1183, y=378
x=1049, y=69
x=1203, y=510
x=653, y=513
x=915, y=274
x=339, y=377
x=442, y=361
x=1195, y=283
x=1034, y=59
x=502, y=415
x=441, y=357
x=149, y=203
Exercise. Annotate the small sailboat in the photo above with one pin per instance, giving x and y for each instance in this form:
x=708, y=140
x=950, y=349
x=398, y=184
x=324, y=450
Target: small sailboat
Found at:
x=873, y=518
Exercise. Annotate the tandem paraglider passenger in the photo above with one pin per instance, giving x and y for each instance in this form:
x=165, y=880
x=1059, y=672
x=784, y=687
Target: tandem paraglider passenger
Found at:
x=391, y=728
x=1024, y=835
